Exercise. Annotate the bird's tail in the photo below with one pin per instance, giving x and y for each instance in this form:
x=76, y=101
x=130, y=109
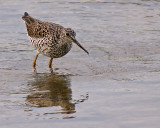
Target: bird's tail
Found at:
x=27, y=18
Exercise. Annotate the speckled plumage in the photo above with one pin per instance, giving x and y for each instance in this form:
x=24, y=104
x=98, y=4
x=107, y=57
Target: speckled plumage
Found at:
x=50, y=39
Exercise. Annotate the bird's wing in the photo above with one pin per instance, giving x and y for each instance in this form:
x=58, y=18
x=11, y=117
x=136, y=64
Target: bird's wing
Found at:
x=55, y=32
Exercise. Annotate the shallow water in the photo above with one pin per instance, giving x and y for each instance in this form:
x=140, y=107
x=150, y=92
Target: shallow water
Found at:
x=116, y=86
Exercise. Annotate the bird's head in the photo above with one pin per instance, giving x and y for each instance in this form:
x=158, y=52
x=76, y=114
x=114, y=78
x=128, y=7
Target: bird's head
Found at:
x=71, y=35
x=28, y=19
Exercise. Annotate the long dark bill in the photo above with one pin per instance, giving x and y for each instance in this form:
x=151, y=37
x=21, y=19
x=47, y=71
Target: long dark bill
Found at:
x=76, y=42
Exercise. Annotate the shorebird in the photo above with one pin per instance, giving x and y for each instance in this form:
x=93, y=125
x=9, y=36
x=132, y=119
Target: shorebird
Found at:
x=50, y=39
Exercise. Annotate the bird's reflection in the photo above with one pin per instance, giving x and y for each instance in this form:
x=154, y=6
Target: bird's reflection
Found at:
x=51, y=90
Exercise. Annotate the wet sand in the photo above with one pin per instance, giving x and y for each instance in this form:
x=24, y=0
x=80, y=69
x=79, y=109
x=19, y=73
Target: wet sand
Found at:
x=116, y=86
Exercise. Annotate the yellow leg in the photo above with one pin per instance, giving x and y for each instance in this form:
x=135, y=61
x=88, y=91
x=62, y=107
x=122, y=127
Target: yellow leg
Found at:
x=50, y=63
x=34, y=62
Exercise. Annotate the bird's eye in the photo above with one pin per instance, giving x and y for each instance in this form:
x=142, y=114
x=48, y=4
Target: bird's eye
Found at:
x=67, y=34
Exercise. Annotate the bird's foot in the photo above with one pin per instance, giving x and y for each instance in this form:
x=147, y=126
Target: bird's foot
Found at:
x=34, y=62
x=50, y=63
x=50, y=66
x=34, y=67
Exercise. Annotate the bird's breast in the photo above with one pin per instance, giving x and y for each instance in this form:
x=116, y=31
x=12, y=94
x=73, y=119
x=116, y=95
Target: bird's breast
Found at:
x=50, y=47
